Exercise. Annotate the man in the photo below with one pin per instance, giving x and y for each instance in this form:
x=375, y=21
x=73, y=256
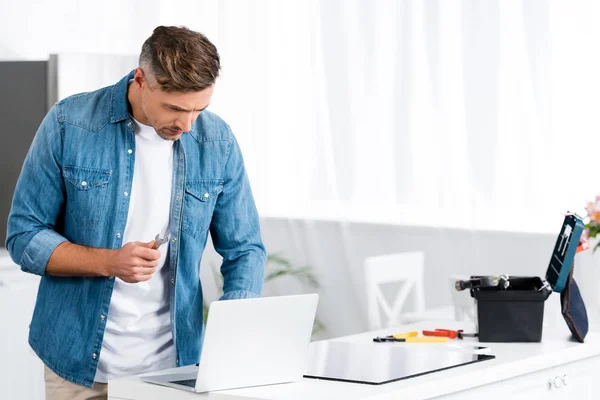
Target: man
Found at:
x=107, y=172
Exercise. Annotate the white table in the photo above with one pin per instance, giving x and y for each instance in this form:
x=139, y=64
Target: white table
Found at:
x=557, y=368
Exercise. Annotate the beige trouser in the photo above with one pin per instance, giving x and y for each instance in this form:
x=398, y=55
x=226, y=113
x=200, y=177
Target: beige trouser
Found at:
x=59, y=389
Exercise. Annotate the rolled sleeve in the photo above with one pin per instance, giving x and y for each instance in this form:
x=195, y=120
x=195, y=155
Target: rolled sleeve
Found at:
x=38, y=251
x=239, y=294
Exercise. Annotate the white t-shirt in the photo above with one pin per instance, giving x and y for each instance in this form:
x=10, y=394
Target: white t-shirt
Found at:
x=138, y=334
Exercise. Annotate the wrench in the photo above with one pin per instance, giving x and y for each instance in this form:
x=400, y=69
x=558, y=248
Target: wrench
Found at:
x=159, y=242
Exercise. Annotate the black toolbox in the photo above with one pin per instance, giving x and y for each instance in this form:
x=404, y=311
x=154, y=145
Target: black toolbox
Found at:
x=515, y=314
x=512, y=309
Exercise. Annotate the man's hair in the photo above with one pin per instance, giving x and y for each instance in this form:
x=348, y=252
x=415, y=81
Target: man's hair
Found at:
x=179, y=60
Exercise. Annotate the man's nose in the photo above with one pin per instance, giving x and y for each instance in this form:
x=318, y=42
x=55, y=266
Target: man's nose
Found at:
x=185, y=123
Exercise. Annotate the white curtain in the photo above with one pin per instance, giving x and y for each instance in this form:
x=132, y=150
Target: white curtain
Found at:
x=476, y=114
x=472, y=113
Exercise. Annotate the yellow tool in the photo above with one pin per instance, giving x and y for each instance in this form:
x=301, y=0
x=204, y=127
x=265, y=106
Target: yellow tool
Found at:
x=405, y=335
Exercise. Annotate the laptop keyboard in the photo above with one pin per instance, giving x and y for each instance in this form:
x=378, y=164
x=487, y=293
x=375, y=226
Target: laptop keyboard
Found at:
x=187, y=382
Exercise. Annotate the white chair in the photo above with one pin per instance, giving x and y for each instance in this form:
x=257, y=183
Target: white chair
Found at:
x=464, y=304
x=406, y=269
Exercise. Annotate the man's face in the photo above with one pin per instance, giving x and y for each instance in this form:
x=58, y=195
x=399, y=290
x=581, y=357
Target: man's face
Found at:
x=171, y=113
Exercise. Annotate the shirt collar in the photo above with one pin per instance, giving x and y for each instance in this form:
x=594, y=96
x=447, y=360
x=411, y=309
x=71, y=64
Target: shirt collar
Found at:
x=118, y=104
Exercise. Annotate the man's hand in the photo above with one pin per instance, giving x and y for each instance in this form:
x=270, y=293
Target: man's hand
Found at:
x=134, y=262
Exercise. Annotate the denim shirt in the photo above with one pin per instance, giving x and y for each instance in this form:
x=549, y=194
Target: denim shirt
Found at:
x=73, y=186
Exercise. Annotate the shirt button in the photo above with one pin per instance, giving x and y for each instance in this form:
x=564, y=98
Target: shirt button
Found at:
x=126, y=194
x=174, y=239
x=206, y=195
x=102, y=317
x=129, y=123
x=84, y=183
x=181, y=156
x=129, y=151
x=178, y=198
x=118, y=235
x=177, y=361
x=172, y=281
x=94, y=356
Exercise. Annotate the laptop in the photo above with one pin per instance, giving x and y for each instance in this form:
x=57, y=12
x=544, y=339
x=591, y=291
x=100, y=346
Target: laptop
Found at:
x=249, y=342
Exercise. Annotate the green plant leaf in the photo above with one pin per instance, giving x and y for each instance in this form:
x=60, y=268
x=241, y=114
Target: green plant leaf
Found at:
x=276, y=274
x=205, y=313
x=318, y=327
x=278, y=260
x=593, y=229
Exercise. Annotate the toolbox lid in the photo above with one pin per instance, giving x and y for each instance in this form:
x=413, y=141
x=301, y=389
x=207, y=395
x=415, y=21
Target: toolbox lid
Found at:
x=563, y=255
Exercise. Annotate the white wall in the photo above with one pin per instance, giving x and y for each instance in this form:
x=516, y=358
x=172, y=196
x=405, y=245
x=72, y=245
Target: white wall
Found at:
x=31, y=30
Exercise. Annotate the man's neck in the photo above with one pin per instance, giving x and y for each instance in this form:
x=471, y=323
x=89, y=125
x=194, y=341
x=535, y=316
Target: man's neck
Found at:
x=134, y=99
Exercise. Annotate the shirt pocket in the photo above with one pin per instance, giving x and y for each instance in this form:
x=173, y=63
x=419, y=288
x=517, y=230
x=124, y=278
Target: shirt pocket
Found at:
x=199, y=203
x=87, y=189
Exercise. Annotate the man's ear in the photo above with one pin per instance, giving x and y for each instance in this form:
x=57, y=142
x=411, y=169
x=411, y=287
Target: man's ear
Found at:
x=139, y=77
